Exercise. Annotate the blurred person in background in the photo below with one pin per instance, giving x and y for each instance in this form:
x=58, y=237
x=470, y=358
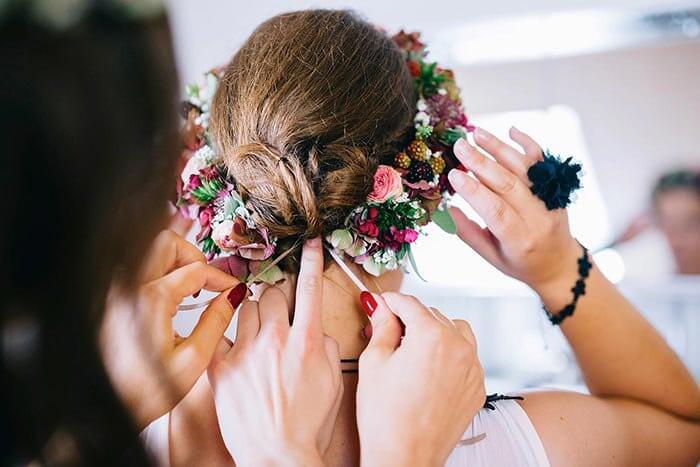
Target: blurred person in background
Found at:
x=667, y=234
x=676, y=203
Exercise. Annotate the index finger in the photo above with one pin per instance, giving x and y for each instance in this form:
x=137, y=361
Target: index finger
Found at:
x=309, y=296
x=409, y=309
x=169, y=252
x=187, y=280
x=504, y=153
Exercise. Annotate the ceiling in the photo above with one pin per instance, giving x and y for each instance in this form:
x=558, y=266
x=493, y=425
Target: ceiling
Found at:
x=206, y=32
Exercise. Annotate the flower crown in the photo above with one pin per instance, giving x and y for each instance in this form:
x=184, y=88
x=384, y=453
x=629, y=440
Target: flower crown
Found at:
x=410, y=189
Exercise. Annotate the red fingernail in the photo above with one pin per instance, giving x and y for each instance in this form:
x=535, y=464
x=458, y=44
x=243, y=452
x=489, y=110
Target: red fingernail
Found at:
x=196, y=294
x=235, y=297
x=369, y=304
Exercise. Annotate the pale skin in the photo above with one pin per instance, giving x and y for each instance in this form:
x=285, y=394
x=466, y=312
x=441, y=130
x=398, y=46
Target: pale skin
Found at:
x=390, y=365
x=279, y=388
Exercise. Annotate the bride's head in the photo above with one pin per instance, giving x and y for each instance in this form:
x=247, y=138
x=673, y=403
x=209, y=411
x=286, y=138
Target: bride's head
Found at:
x=303, y=115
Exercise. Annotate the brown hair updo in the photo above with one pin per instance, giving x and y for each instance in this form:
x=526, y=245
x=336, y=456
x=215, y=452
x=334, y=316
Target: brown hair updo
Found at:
x=304, y=113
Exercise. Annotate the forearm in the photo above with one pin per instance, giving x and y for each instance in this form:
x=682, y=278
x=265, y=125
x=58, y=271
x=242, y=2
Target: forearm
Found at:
x=194, y=432
x=619, y=352
x=395, y=456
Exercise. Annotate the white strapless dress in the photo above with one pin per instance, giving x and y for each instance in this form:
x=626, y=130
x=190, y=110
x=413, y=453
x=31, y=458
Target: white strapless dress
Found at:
x=499, y=438
x=503, y=437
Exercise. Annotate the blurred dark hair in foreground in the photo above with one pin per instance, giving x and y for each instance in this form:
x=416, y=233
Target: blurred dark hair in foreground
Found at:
x=87, y=166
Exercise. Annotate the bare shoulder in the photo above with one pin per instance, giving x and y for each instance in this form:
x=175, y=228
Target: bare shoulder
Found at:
x=579, y=429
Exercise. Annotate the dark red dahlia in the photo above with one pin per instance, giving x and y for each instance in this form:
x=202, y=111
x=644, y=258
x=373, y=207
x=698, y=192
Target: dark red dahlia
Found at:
x=413, y=68
x=408, y=42
x=369, y=228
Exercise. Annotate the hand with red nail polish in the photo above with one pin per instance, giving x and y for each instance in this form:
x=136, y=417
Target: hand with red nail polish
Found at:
x=138, y=327
x=279, y=388
x=369, y=304
x=417, y=393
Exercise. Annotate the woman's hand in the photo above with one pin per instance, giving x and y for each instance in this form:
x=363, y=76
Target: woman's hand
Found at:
x=416, y=395
x=643, y=400
x=523, y=239
x=151, y=367
x=278, y=389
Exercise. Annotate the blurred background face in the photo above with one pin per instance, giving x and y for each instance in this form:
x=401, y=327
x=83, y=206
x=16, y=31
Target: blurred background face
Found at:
x=611, y=82
x=678, y=216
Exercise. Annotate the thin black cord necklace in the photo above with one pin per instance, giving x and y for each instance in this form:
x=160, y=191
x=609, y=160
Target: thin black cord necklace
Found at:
x=490, y=398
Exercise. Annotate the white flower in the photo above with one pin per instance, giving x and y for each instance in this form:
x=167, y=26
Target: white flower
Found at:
x=193, y=166
x=210, y=88
x=358, y=248
x=205, y=153
x=421, y=105
x=221, y=235
x=402, y=199
x=373, y=267
x=422, y=119
x=341, y=239
x=387, y=259
x=242, y=212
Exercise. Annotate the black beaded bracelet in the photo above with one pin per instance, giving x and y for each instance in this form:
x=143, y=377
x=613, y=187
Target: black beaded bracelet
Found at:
x=579, y=289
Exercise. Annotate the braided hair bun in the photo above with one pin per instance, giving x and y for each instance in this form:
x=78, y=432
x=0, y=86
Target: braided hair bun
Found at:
x=304, y=113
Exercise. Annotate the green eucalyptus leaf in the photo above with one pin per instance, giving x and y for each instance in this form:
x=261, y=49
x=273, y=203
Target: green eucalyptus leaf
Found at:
x=271, y=276
x=414, y=266
x=192, y=90
x=443, y=218
x=451, y=135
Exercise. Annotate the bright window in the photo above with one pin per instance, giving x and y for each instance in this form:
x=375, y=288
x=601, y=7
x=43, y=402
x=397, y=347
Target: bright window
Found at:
x=444, y=262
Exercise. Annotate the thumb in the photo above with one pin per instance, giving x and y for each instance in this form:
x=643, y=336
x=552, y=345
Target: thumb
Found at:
x=386, y=327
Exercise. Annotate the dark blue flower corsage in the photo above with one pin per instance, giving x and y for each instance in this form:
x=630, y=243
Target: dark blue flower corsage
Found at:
x=554, y=180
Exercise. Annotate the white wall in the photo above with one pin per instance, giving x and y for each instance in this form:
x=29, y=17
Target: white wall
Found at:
x=207, y=32
x=640, y=110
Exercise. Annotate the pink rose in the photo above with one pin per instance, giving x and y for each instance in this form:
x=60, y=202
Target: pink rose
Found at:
x=232, y=236
x=222, y=236
x=387, y=184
